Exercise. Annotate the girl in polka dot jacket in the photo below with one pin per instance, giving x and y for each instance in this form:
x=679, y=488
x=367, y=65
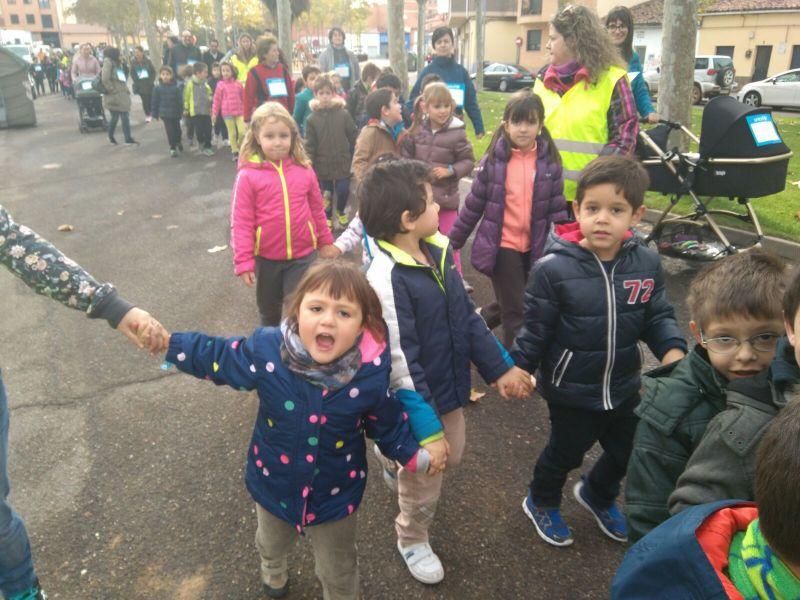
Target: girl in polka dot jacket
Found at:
x=322, y=379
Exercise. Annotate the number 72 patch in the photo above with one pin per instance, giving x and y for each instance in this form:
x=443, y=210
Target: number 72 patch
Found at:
x=639, y=289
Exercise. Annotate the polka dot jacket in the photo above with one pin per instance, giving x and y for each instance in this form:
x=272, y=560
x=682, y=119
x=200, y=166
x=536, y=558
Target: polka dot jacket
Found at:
x=306, y=463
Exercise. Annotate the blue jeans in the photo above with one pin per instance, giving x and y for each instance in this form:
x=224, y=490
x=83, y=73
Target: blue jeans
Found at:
x=16, y=562
x=342, y=188
x=126, y=124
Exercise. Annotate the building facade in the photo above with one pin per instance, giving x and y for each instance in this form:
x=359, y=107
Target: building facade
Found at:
x=40, y=17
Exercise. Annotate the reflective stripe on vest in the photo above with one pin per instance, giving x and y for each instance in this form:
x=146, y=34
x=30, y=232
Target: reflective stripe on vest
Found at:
x=578, y=122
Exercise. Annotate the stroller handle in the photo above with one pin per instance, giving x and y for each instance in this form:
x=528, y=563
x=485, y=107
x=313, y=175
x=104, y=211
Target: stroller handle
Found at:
x=670, y=124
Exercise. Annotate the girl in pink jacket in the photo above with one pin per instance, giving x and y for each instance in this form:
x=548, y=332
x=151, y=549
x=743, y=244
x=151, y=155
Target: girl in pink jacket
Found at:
x=277, y=216
x=229, y=101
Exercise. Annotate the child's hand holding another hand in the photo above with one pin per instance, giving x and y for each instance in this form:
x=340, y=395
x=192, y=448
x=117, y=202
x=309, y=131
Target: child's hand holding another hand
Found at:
x=438, y=451
x=154, y=337
x=516, y=383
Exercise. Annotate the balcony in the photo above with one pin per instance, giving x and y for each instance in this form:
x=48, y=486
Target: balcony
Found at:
x=536, y=11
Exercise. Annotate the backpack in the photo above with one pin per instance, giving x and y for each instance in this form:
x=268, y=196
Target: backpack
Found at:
x=97, y=85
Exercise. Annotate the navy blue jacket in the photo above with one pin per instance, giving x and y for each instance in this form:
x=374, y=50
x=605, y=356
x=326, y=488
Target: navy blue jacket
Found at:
x=434, y=332
x=451, y=73
x=670, y=564
x=307, y=462
x=583, y=321
x=167, y=101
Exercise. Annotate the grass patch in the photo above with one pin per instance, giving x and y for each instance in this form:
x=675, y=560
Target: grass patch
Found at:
x=779, y=214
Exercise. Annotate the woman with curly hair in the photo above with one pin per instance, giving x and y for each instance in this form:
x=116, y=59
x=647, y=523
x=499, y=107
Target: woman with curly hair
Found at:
x=589, y=107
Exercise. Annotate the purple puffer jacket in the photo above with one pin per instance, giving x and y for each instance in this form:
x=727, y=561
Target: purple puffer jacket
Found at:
x=486, y=200
x=448, y=146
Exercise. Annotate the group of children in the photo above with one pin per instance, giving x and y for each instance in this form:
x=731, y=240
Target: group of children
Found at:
x=388, y=353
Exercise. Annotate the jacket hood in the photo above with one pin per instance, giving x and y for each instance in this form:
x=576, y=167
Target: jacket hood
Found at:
x=336, y=103
x=570, y=233
x=452, y=123
x=502, y=151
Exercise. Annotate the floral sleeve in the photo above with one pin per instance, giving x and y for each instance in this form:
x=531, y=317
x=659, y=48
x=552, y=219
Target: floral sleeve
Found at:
x=47, y=271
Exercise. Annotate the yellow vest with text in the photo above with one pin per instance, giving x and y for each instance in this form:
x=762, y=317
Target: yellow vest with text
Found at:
x=578, y=122
x=243, y=69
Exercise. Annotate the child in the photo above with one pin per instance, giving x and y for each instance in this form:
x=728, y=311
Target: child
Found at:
x=730, y=549
x=166, y=105
x=380, y=135
x=589, y=301
x=269, y=80
x=434, y=333
x=277, y=217
x=330, y=137
x=197, y=106
x=438, y=138
x=735, y=299
x=359, y=92
x=517, y=195
x=389, y=80
x=185, y=73
x=329, y=362
x=66, y=83
x=217, y=124
x=229, y=102
x=301, y=110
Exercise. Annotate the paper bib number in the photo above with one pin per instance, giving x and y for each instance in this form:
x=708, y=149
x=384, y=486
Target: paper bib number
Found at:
x=277, y=88
x=457, y=92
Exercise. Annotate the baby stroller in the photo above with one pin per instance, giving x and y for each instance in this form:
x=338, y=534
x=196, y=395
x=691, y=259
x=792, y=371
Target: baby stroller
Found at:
x=90, y=106
x=741, y=156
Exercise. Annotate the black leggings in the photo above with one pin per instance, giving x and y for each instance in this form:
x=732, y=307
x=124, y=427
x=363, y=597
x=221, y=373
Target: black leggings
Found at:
x=173, y=128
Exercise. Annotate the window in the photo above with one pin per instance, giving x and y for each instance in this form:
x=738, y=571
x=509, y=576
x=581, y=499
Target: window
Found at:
x=534, y=42
x=47, y=22
x=531, y=7
x=15, y=19
x=795, y=64
x=44, y=4
x=30, y=19
x=701, y=63
x=725, y=51
x=793, y=77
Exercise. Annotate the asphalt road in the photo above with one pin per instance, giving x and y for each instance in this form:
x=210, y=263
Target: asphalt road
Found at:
x=130, y=477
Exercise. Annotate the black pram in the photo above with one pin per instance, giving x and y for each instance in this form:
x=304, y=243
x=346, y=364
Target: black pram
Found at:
x=741, y=156
x=90, y=106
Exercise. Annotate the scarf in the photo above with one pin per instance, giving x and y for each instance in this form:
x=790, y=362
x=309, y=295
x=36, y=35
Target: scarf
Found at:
x=331, y=376
x=561, y=78
x=756, y=571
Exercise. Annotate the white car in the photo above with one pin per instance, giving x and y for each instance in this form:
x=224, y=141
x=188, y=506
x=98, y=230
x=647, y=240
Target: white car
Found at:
x=779, y=90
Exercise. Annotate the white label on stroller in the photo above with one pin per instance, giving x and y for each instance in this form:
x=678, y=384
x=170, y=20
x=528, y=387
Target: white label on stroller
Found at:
x=121, y=74
x=762, y=127
x=86, y=84
x=277, y=88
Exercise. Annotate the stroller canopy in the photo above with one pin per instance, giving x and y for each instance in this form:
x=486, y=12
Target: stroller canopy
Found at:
x=16, y=107
x=731, y=129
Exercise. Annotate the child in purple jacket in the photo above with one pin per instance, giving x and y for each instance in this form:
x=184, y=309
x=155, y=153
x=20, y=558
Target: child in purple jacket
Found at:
x=517, y=194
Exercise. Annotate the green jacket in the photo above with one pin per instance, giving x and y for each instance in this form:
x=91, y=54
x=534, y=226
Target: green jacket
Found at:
x=195, y=102
x=723, y=465
x=677, y=404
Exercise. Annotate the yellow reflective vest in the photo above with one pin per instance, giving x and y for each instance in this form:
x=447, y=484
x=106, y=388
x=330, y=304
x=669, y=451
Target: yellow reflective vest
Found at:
x=578, y=122
x=243, y=69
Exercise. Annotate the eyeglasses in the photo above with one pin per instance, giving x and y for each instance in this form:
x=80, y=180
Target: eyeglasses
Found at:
x=617, y=27
x=763, y=342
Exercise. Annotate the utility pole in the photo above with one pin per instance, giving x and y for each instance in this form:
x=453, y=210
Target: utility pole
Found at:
x=421, y=14
x=285, y=28
x=219, y=25
x=677, y=62
x=397, y=50
x=480, y=26
x=153, y=43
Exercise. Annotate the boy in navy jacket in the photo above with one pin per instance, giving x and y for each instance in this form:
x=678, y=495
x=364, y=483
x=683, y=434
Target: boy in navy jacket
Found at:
x=589, y=301
x=434, y=334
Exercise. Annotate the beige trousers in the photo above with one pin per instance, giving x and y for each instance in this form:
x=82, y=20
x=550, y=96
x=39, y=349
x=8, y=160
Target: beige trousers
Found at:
x=418, y=493
x=335, y=558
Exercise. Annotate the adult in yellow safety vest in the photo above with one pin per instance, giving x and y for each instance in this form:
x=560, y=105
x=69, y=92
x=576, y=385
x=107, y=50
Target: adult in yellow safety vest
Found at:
x=589, y=107
x=244, y=57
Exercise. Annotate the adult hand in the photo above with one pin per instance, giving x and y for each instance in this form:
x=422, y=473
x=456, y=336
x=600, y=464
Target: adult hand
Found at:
x=249, y=278
x=440, y=172
x=653, y=117
x=136, y=324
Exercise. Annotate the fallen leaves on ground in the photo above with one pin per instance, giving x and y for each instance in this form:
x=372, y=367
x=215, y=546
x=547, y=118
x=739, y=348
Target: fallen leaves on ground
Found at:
x=66, y=227
x=475, y=395
x=216, y=249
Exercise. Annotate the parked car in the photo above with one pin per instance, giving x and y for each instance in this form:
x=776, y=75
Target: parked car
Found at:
x=505, y=77
x=714, y=75
x=782, y=89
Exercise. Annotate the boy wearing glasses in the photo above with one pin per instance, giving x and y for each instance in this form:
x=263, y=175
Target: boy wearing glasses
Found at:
x=701, y=419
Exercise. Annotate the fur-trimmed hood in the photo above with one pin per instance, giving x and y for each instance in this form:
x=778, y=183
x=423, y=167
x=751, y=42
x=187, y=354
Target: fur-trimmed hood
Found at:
x=336, y=102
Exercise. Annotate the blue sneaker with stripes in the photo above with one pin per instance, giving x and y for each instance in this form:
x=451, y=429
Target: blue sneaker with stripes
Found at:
x=548, y=523
x=610, y=520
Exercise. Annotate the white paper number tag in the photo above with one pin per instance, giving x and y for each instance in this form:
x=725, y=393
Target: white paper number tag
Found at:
x=457, y=91
x=121, y=75
x=142, y=72
x=343, y=70
x=762, y=127
x=277, y=88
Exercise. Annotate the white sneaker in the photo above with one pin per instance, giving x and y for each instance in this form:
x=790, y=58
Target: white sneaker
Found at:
x=422, y=562
x=388, y=467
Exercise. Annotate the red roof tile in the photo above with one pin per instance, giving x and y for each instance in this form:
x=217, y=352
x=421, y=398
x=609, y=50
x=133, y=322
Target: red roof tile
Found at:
x=651, y=12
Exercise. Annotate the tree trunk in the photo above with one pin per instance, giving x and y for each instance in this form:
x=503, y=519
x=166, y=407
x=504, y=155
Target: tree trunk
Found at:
x=397, y=53
x=177, y=6
x=150, y=29
x=421, y=8
x=677, y=63
x=285, y=28
x=480, y=27
x=219, y=24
